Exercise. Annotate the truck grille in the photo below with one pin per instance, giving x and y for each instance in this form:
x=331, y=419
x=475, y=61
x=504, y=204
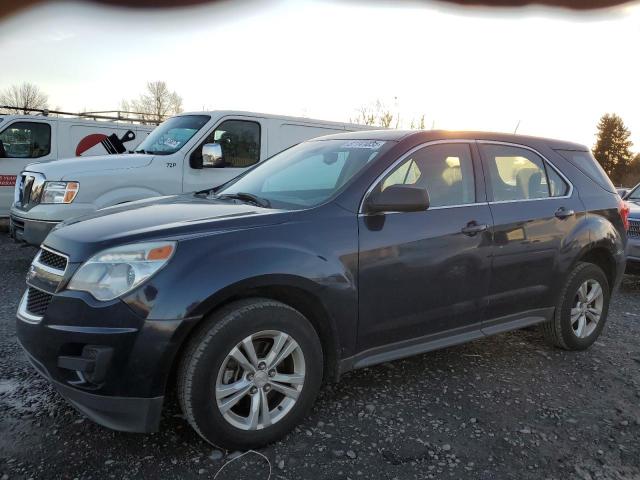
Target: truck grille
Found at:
x=37, y=301
x=634, y=228
x=52, y=259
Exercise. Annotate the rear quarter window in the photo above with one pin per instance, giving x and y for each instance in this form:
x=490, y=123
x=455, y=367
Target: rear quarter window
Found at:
x=587, y=164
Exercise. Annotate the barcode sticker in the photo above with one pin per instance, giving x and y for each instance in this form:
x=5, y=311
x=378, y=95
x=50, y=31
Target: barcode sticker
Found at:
x=368, y=144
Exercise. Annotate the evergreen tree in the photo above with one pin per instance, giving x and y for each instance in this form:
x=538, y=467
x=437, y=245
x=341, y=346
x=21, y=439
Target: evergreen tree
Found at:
x=612, y=149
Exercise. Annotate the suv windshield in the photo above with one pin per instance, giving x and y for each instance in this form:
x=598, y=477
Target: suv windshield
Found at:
x=171, y=135
x=307, y=174
x=635, y=194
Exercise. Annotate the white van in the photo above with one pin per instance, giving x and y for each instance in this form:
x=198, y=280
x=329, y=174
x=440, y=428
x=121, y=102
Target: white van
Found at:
x=24, y=138
x=168, y=161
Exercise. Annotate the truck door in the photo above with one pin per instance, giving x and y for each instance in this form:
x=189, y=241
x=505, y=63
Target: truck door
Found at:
x=242, y=146
x=23, y=142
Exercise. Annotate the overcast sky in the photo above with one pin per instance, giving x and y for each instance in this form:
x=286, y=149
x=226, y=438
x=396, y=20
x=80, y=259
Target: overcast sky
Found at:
x=555, y=72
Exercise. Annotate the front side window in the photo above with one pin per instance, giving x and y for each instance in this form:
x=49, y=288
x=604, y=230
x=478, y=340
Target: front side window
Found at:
x=307, y=174
x=240, y=142
x=171, y=135
x=444, y=170
x=26, y=140
x=520, y=174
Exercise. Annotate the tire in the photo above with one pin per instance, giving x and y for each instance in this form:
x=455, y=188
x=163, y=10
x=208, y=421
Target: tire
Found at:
x=209, y=370
x=564, y=330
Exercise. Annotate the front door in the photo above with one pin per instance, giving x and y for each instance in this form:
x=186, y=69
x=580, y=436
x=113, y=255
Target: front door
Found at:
x=422, y=274
x=534, y=212
x=241, y=142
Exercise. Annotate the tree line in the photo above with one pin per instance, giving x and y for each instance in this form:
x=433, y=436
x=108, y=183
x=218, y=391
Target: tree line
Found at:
x=156, y=103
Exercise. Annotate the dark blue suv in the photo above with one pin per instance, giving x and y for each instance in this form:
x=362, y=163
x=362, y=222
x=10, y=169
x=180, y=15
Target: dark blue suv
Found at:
x=339, y=253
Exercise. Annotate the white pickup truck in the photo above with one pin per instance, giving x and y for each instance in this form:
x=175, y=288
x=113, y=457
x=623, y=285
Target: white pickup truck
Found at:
x=25, y=139
x=169, y=161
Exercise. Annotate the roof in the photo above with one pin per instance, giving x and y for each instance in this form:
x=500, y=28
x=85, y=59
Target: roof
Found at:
x=431, y=135
x=280, y=117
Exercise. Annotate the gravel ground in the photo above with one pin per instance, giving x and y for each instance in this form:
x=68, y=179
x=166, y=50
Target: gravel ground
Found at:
x=504, y=407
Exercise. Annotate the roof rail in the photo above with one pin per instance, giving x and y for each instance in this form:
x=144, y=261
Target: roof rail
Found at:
x=117, y=115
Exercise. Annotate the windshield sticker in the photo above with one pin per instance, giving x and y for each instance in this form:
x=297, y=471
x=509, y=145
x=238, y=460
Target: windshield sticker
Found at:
x=170, y=142
x=368, y=144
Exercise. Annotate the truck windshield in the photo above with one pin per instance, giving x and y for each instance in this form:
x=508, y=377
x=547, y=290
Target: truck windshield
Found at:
x=635, y=194
x=171, y=135
x=305, y=175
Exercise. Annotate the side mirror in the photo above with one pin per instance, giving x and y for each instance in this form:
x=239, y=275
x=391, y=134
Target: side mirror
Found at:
x=398, y=198
x=212, y=155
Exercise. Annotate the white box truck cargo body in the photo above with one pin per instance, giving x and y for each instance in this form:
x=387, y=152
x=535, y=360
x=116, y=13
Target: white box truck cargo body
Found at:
x=168, y=161
x=25, y=138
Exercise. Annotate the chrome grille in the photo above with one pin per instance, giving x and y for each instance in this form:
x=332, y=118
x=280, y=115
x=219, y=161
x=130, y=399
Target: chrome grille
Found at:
x=634, y=228
x=37, y=301
x=29, y=189
x=52, y=259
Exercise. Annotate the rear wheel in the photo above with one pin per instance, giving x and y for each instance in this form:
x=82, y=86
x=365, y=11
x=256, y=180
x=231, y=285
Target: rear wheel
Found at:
x=250, y=374
x=582, y=309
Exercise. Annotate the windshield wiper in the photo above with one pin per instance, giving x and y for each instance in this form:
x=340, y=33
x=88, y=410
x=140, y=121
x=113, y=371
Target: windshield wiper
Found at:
x=140, y=151
x=247, y=197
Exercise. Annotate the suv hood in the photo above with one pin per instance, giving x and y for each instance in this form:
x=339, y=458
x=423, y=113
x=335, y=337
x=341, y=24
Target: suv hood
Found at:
x=66, y=168
x=168, y=217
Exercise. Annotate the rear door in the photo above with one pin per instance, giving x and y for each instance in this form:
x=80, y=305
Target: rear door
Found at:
x=424, y=276
x=534, y=210
x=24, y=142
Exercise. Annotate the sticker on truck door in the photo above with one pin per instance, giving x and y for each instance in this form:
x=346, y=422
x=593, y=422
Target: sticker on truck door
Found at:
x=100, y=144
x=7, y=180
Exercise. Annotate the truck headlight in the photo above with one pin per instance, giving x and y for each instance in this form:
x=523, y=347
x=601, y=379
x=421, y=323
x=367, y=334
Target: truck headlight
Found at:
x=116, y=271
x=59, y=192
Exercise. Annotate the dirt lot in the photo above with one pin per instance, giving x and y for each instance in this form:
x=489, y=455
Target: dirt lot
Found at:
x=503, y=407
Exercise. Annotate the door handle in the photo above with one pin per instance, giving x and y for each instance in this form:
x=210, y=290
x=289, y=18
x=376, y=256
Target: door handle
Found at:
x=473, y=228
x=563, y=213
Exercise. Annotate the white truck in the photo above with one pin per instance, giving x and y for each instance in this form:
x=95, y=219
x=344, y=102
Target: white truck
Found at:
x=25, y=138
x=169, y=161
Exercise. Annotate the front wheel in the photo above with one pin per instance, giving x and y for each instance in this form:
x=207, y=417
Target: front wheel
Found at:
x=582, y=309
x=250, y=374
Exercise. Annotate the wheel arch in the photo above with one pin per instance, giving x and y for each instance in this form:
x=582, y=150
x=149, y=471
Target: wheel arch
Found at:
x=295, y=292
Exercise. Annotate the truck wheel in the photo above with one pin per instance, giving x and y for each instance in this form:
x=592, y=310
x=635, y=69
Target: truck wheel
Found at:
x=250, y=374
x=581, y=311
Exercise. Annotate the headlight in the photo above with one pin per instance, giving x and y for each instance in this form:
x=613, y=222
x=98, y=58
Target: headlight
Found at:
x=115, y=271
x=59, y=192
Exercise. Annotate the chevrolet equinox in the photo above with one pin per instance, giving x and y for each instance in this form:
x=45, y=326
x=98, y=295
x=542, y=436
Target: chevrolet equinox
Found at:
x=339, y=253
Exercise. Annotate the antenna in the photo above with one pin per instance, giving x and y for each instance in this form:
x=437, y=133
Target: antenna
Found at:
x=516, y=129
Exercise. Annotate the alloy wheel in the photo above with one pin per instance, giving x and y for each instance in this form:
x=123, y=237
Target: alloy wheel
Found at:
x=260, y=380
x=587, y=308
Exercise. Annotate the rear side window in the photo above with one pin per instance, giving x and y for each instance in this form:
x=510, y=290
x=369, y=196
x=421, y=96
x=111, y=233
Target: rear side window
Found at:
x=26, y=140
x=585, y=162
x=520, y=174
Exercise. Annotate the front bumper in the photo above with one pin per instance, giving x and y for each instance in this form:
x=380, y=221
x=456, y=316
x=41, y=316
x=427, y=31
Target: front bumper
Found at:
x=127, y=414
x=129, y=392
x=32, y=232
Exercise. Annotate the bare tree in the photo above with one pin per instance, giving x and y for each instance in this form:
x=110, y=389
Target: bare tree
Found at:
x=23, y=97
x=157, y=103
x=374, y=114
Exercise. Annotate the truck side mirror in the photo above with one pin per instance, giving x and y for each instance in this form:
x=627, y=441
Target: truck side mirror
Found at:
x=212, y=155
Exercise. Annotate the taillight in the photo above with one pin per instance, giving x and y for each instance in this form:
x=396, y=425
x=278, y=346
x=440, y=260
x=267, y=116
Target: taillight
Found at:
x=623, y=210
